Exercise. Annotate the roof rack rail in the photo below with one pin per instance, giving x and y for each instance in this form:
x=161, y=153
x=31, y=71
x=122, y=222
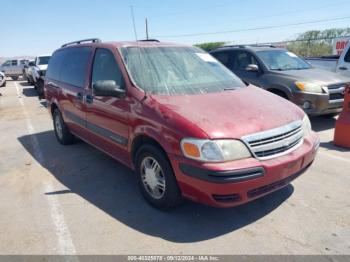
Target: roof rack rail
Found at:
x=264, y=45
x=92, y=40
x=228, y=46
x=148, y=40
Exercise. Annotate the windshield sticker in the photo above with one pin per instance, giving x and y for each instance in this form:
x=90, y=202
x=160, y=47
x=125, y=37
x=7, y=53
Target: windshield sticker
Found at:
x=207, y=58
x=291, y=54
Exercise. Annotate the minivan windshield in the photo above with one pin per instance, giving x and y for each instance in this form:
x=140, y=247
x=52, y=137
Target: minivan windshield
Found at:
x=282, y=60
x=43, y=60
x=177, y=71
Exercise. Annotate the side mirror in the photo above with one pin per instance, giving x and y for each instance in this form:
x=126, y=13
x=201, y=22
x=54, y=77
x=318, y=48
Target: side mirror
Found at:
x=108, y=88
x=252, y=68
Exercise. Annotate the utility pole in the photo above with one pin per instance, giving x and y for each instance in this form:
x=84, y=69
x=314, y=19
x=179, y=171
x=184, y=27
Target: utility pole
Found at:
x=147, y=36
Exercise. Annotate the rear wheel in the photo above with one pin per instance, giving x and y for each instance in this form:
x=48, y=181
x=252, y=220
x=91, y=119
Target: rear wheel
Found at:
x=62, y=132
x=156, y=178
x=14, y=78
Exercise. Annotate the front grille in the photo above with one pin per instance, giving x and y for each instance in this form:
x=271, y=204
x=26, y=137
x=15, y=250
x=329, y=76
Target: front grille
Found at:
x=275, y=142
x=336, y=91
x=336, y=96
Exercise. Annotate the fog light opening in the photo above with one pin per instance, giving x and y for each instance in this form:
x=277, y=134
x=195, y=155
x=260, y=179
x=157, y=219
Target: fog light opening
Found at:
x=307, y=105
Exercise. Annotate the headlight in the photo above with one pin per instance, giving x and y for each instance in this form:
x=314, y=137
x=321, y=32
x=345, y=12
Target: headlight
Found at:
x=306, y=126
x=214, y=150
x=310, y=87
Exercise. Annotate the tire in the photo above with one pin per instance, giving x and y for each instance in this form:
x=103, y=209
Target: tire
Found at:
x=167, y=195
x=40, y=88
x=14, y=78
x=62, y=132
x=4, y=84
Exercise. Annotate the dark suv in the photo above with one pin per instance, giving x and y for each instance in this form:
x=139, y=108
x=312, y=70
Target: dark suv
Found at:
x=188, y=126
x=283, y=73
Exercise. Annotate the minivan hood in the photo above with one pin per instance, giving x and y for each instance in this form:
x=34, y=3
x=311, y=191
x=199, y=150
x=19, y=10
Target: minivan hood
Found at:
x=314, y=75
x=233, y=114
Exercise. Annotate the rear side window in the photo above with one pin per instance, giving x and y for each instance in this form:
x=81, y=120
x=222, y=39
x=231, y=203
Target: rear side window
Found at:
x=347, y=56
x=69, y=65
x=223, y=57
x=54, y=67
x=74, y=66
x=106, y=68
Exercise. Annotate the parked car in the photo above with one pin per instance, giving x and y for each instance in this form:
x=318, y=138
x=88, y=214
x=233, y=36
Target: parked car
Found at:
x=13, y=68
x=39, y=71
x=187, y=125
x=28, y=72
x=339, y=64
x=2, y=79
x=283, y=73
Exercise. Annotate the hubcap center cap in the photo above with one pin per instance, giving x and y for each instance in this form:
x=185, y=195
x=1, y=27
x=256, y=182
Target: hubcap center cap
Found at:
x=151, y=178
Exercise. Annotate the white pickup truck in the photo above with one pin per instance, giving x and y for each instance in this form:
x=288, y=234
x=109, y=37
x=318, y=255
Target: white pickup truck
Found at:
x=13, y=68
x=339, y=64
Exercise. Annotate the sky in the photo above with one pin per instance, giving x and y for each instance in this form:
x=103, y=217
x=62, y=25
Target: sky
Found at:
x=34, y=27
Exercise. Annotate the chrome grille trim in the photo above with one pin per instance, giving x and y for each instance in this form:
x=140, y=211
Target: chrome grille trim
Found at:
x=336, y=92
x=275, y=142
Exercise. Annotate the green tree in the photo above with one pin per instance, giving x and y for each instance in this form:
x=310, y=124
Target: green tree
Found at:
x=315, y=42
x=210, y=45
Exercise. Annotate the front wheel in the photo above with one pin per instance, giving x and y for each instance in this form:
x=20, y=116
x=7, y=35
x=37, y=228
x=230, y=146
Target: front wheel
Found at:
x=156, y=178
x=40, y=88
x=62, y=132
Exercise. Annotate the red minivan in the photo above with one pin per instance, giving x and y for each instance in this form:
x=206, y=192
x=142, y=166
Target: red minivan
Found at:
x=188, y=126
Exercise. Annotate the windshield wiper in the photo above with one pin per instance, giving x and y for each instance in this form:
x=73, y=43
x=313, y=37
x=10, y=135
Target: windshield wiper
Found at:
x=229, y=89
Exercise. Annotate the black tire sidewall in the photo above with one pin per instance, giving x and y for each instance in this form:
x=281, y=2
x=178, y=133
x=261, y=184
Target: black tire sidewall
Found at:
x=172, y=196
x=67, y=137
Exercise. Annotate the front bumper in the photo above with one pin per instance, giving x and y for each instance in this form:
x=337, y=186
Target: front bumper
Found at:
x=321, y=103
x=238, y=182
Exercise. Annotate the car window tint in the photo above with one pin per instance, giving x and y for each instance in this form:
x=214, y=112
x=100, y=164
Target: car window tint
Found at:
x=55, y=63
x=242, y=59
x=347, y=56
x=74, y=66
x=14, y=62
x=106, y=68
x=223, y=57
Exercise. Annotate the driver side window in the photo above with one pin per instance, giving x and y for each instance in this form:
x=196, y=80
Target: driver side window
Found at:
x=242, y=59
x=105, y=67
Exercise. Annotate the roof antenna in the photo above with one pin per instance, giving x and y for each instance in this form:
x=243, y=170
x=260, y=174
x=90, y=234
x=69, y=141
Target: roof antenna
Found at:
x=135, y=32
x=133, y=21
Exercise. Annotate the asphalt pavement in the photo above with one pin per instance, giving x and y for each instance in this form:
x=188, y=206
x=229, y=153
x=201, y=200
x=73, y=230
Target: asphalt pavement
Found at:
x=74, y=199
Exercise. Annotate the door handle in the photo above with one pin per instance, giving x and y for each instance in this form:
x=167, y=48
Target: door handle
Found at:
x=79, y=96
x=89, y=99
x=343, y=68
